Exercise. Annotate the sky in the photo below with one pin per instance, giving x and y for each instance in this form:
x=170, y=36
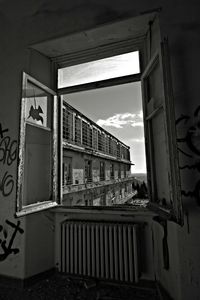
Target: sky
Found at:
x=117, y=109
x=97, y=70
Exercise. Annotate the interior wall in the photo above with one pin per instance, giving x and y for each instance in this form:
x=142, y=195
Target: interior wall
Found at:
x=39, y=233
x=24, y=23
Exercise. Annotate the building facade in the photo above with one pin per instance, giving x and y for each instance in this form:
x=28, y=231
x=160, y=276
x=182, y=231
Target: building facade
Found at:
x=96, y=165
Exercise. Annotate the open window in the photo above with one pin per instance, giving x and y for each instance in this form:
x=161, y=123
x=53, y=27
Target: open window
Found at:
x=140, y=35
x=38, y=155
x=161, y=149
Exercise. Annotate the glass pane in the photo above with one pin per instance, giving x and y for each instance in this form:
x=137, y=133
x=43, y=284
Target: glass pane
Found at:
x=38, y=165
x=37, y=106
x=161, y=171
x=38, y=162
x=107, y=68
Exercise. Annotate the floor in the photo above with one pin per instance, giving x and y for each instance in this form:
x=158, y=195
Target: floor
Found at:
x=62, y=287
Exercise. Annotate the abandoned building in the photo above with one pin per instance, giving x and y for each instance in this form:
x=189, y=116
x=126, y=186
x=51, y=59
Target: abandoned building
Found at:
x=96, y=165
x=158, y=243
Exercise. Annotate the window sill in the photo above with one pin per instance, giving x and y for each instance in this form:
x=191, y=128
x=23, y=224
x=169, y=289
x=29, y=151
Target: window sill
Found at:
x=36, y=207
x=102, y=210
x=162, y=212
x=150, y=210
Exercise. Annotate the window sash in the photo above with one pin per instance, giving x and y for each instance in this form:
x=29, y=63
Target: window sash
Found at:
x=160, y=135
x=52, y=131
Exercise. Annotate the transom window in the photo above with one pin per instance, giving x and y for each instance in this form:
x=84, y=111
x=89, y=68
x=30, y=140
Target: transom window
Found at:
x=94, y=71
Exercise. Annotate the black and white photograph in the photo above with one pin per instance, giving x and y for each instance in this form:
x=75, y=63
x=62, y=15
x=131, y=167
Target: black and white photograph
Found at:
x=99, y=150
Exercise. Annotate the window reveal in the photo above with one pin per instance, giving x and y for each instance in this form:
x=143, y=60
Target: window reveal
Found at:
x=102, y=171
x=88, y=171
x=112, y=171
x=119, y=171
x=67, y=170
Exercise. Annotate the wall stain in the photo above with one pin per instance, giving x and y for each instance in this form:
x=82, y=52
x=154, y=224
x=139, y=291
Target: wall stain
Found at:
x=165, y=248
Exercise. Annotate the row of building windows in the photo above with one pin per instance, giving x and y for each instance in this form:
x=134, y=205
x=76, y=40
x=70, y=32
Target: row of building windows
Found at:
x=89, y=175
x=80, y=131
x=111, y=197
x=102, y=196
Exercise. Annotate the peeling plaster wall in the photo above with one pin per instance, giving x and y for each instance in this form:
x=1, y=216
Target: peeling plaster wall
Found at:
x=24, y=23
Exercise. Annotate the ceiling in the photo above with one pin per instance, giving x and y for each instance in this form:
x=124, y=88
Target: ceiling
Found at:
x=103, y=35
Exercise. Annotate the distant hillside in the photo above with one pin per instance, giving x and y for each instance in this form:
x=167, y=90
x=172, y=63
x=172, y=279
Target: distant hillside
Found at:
x=140, y=176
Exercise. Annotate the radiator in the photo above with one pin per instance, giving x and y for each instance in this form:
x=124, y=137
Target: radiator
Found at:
x=99, y=250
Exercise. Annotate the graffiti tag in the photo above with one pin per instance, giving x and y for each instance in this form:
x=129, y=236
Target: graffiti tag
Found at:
x=192, y=136
x=6, y=184
x=8, y=150
x=6, y=242
x=8, y=154
x=192, y=140
x=2, y=131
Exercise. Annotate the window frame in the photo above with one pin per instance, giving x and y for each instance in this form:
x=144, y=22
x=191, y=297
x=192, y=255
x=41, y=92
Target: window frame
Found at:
x=175, y=212
x=107, y=40
x=21, y=208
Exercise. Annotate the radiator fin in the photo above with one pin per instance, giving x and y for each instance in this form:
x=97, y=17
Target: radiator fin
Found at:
x=100, y=250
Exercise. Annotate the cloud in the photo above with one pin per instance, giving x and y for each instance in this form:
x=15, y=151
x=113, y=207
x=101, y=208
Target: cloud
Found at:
x=137, y=124
x=140, y=140
x=121, y=120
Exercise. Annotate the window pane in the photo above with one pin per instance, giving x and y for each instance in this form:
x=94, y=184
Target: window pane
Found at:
x=107, y=68
x=37, y=105
x=37, y=145
x=38, y=166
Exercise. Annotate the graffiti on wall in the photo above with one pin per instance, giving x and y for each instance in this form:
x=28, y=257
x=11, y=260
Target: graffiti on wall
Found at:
x=8, y=231
x=191, y=141
x=8, y=154
x=7, y=240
